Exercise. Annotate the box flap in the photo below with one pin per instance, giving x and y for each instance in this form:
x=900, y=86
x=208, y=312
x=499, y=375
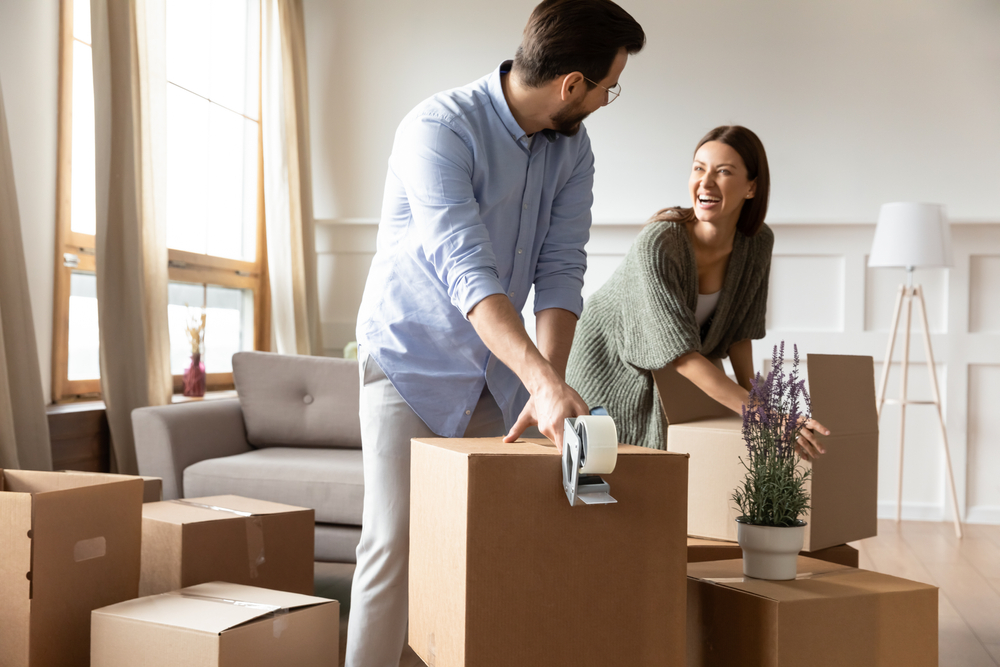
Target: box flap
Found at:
x=816, y=579
x=152, y=489
x=15, y=565
x=682, y=401
x=85, y=555
x=211, y=608
x=38, y=481
x=842, y=388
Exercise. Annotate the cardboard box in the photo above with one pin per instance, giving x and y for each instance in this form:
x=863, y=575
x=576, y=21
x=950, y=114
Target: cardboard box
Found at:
x=68, y=544
x=700, y=551
x=844, y=484
x=226, y=538
x=217, y=624
x=152, y=489
x=830, y=616
x=503, y=571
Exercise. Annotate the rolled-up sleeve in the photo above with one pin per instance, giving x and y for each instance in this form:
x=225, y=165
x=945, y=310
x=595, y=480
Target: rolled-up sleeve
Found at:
x=435, y=165
x=562, y=260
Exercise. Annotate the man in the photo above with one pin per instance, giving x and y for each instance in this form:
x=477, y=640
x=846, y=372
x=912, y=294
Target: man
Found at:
x=488, y=193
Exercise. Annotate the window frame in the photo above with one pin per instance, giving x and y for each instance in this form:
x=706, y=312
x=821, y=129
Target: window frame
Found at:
x=183, y=266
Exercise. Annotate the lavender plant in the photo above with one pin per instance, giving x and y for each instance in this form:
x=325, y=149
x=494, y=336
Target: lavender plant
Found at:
x=773, y=491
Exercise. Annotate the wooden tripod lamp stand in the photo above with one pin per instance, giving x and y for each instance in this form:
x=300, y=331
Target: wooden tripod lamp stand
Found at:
x=912, y=235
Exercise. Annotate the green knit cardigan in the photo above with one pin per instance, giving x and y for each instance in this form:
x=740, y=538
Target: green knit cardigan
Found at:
x=643, y=318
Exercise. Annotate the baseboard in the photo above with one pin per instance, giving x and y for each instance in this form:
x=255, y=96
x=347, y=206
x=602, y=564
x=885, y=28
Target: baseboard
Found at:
x=988, y=514
x=913, y=511
x=984, y=514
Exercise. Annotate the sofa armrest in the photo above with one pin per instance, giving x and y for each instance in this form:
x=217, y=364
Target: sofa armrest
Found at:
x=169, y=438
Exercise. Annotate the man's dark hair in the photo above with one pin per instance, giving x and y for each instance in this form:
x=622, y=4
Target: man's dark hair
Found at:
x=564, y=36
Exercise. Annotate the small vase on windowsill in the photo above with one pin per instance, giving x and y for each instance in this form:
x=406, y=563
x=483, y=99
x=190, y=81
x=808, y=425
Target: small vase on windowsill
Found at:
x=194, y=377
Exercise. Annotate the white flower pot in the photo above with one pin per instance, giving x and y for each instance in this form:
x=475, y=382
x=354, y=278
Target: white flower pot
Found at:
x=770, y=552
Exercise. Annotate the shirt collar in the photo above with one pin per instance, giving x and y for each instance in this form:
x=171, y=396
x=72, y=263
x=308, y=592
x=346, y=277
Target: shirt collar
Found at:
x=503, y=110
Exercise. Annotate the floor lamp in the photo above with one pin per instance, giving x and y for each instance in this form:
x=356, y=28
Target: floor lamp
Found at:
x=912, y=235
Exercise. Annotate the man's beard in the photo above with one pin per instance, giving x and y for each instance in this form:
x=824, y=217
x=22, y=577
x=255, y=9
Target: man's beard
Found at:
x=568, y=119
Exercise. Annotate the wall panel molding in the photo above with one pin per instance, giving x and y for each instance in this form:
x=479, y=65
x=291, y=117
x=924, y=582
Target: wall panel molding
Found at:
x=965, y=334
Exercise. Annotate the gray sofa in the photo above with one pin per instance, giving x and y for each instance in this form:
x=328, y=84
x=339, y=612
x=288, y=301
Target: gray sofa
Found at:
x=293, y=436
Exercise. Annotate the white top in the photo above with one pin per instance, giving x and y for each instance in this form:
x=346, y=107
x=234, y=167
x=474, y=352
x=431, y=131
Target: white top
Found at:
x=706, y=306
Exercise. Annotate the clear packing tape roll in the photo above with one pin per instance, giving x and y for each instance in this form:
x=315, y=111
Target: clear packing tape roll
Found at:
x=599, y=437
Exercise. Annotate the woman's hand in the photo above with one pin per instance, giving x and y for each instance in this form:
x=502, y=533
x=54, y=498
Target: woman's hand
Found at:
x=808, y=445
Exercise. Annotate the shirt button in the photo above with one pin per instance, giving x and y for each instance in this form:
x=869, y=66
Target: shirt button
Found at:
x=525, y=207
x=512, y=295
x=468, y=412
x=520, y=250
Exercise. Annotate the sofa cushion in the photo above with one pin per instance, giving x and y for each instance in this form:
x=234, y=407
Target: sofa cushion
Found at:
x=337, y=544
x=329, y=481
x=298, y=401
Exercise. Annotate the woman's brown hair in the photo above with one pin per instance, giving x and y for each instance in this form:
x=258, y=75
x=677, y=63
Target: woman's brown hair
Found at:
x=751, y=150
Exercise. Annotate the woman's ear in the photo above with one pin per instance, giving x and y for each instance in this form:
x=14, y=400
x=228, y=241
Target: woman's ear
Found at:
x=753, y=190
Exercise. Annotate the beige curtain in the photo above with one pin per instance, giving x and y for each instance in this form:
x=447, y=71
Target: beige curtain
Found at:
x=291, y=241
x=24, y=426
x=130, y=108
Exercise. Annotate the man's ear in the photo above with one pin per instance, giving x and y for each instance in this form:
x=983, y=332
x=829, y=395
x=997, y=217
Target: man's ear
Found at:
x=571, y=85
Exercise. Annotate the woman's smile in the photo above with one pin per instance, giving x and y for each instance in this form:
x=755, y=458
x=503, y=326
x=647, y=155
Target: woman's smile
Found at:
x=719, y=184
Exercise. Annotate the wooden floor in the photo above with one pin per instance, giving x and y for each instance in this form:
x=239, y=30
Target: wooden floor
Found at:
x=966, y=571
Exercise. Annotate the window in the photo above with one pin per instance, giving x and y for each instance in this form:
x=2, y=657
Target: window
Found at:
x=214, y=208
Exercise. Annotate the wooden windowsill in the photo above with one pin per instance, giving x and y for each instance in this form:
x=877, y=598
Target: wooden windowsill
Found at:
x=98, y=405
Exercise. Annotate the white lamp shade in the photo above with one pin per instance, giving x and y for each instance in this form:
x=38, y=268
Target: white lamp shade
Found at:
x=911, y=234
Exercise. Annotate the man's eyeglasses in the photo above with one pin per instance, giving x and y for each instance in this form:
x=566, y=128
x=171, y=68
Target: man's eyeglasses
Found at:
x=612, y=92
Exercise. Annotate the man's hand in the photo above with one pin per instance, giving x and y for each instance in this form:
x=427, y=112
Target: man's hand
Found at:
x=549, y=408
x=541, y=370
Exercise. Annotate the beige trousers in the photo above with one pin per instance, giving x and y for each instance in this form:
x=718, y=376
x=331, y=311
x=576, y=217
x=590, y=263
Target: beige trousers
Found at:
x=377, y=628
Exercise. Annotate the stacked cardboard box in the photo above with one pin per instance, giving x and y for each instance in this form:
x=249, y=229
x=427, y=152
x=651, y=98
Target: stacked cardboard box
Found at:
x=226, y=538
x=503, y=571
x=844, y=483
x=217, y=624
x=830, y=616
x=68, y=544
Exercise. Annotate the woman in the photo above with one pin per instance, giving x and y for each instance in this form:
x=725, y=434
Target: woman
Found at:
x=692, y=289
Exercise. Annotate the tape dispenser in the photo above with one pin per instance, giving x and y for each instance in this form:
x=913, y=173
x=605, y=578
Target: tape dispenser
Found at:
x=590, y=449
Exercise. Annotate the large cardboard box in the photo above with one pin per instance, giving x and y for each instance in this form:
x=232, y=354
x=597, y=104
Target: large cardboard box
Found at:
x=68, y=544
x=700, y=551
x=217, y=624
x=844, y=483
x=503, y=571
x=830, y=616
x=226, y=538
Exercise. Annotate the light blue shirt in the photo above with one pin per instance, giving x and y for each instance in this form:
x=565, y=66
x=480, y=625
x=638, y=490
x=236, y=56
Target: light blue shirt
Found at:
x=471, y=208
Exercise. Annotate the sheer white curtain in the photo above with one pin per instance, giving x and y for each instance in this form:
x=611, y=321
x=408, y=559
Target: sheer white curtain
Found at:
x=130, y=111
x=24, y=427
x=291, y=242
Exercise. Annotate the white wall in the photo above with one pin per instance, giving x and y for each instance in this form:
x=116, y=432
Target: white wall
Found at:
x=858, y=102
x=29, y=71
